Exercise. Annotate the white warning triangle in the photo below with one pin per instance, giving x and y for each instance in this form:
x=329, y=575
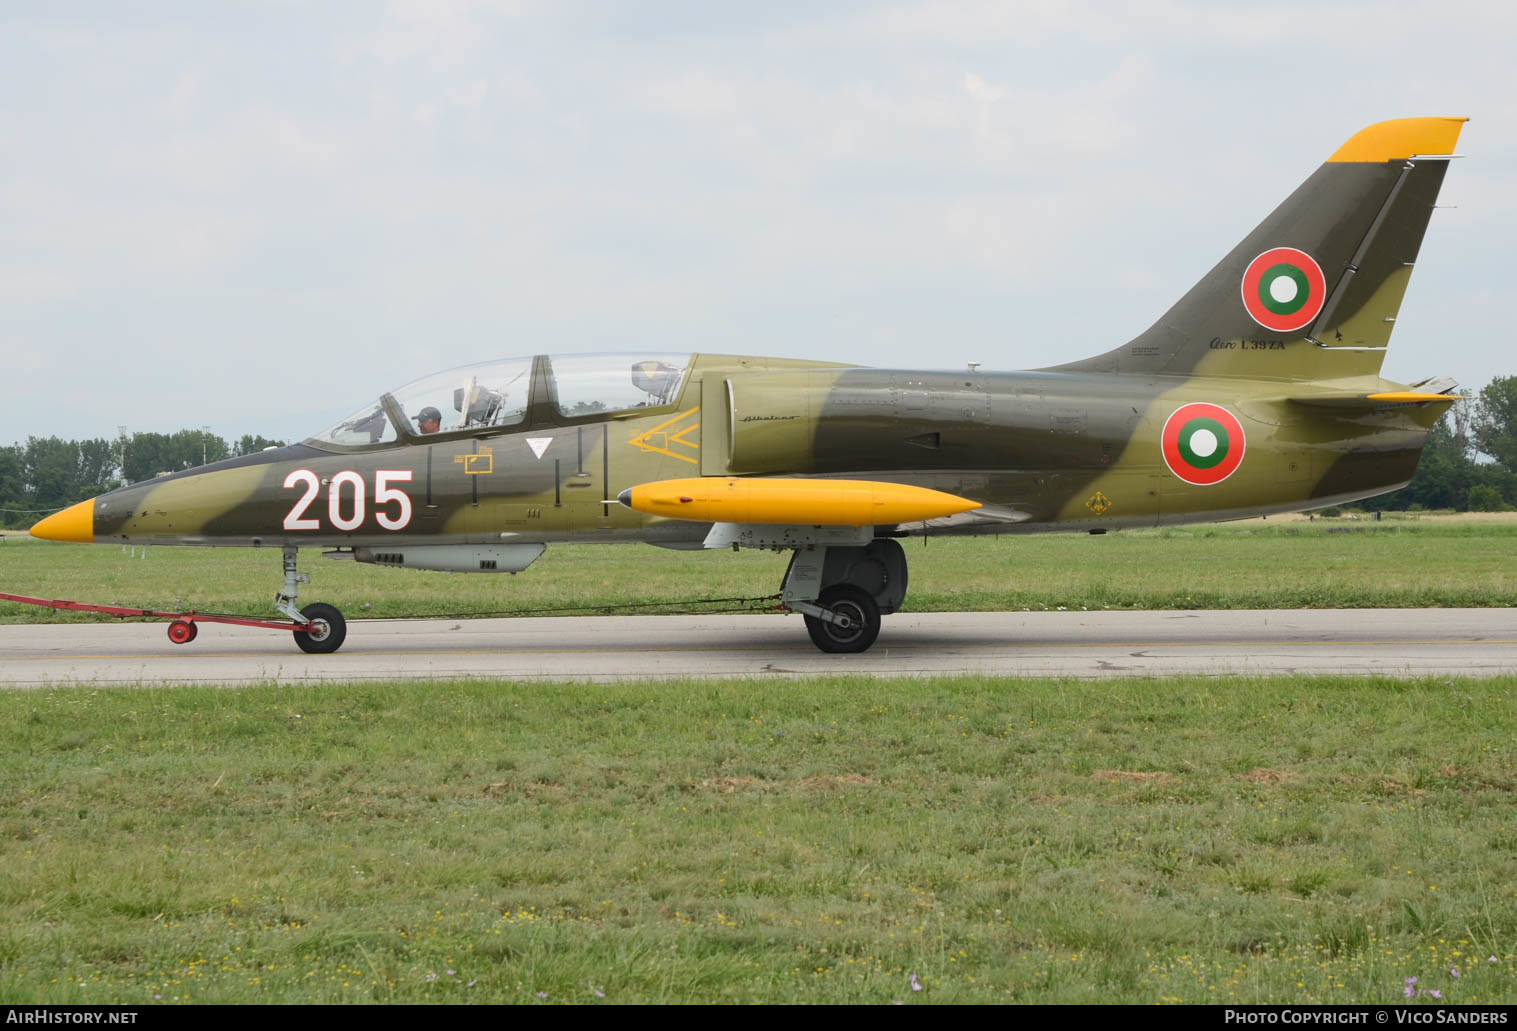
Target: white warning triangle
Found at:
x=539, y=444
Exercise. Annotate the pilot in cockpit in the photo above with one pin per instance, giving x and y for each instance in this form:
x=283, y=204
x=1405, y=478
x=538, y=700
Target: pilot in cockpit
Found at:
x=428, y=420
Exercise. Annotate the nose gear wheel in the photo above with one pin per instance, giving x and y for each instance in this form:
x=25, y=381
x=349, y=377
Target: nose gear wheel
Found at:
x=328, y=629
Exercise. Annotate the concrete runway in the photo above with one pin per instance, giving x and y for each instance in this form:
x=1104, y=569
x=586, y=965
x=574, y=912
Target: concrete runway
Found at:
x=1398, y=642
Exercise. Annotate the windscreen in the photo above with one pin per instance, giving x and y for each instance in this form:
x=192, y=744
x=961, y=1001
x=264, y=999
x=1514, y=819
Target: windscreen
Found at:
x=495, y=394
x=472, y=397
x=590, y=383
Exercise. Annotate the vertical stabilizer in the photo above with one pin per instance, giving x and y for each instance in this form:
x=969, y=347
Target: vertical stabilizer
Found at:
x=1314, y=290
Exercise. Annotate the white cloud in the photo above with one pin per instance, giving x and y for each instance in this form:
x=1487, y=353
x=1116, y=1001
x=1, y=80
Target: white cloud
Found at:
x=447, y=33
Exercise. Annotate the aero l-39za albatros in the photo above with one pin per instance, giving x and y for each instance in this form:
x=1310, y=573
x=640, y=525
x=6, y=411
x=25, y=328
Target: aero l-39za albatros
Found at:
x=1258, y=392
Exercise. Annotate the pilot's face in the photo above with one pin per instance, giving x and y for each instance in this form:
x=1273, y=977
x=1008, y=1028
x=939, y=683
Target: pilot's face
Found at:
x=427, y=425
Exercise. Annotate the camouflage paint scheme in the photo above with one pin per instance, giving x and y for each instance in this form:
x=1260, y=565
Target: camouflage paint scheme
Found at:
x=1072, y=447
x=1035, y=447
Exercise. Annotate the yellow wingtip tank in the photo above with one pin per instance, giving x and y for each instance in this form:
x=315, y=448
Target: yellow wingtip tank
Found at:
x=726, y=499
x=1401, y=138
x=1415, y=397
x=75, y=524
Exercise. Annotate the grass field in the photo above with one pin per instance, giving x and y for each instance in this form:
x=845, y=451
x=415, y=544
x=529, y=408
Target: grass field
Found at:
x=837, y=840
x=1276, y=563
x=831, y=840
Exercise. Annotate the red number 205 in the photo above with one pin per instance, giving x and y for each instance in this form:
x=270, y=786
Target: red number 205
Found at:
x=348, y=513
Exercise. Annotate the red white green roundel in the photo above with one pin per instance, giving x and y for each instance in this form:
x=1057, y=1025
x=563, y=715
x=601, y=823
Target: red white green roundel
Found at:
x=1283, y=289
x=1203, y=443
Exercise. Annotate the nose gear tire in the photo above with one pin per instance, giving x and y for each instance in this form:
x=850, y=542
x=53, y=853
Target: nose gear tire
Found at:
x=328, y=634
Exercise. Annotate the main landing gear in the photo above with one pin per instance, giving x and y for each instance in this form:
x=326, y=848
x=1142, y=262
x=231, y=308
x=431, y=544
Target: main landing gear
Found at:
x=320, y=628
x=844, y=590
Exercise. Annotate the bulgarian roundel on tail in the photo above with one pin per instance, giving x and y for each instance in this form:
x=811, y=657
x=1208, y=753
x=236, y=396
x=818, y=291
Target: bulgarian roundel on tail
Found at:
x=1284, y=289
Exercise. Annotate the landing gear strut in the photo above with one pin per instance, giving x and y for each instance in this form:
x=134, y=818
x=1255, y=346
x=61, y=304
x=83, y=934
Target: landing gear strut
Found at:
x=844, y=590
x=320, y=628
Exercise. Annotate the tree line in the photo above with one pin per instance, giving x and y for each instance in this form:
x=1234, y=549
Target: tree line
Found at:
x=1470, y=461
x=48, y=473
x=1469, y=464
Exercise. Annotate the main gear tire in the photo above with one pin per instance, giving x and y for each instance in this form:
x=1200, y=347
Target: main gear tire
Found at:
x=328, y=631
x=863, y=618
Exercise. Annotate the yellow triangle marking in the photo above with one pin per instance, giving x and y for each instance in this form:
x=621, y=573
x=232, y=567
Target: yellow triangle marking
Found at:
x=644, y=441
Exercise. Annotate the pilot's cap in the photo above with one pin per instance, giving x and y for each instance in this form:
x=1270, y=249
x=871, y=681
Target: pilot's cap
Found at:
x=429, y=413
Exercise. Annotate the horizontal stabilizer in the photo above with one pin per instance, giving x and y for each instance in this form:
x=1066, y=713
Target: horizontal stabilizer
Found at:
x=797, y=502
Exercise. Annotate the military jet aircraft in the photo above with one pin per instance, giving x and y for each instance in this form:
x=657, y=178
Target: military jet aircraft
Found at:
x=1258, y=392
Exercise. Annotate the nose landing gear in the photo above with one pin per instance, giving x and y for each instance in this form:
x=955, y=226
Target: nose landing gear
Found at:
x=319, y=628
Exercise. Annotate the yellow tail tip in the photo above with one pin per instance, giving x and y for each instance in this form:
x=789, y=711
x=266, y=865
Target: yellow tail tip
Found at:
x=1401, y=138
x=75, y=524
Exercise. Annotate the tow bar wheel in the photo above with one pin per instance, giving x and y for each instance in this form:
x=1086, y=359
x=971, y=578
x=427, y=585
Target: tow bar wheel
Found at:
x=182, y=631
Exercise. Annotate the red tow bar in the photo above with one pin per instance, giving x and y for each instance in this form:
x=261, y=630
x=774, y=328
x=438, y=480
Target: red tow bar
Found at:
x=182, y=629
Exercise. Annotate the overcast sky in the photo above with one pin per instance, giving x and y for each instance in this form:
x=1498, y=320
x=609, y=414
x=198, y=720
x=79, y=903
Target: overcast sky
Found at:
x=257, y=216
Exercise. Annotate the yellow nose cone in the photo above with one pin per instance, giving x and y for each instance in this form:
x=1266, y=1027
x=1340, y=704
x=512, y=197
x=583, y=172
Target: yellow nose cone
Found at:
x=76, y=523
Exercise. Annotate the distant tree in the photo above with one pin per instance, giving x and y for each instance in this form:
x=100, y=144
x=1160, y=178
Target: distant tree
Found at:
x=1495, y=421
x=1448, y=476
x=12, y=488
x=148, y=454
x=250, y=444
x=99, y=468
x=199, y=447
x=49, y=473
x=54, y=473
x=141, y=456
x=1485, y=498
x=51, y=468
x=1443, y=476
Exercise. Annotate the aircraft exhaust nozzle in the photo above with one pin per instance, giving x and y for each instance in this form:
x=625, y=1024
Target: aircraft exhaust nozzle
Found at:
x=729, y=499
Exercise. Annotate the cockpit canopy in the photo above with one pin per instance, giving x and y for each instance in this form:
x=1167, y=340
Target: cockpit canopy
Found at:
x=511, y=392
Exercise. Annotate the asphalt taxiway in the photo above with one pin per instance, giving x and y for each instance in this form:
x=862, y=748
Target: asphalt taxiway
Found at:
x=1398, y=642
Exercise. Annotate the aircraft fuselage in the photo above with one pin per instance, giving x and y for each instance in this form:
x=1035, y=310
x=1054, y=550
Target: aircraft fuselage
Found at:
x=1039, y=450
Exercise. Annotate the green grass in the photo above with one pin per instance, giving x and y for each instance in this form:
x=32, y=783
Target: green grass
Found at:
x=1264, y=840
x=1255, y=564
